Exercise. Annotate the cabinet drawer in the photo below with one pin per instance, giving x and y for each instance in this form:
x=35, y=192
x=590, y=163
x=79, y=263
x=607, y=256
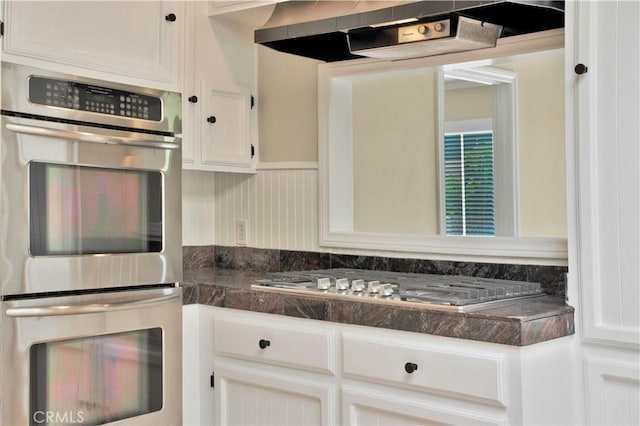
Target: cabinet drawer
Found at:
x=471, y=375
x=270, y=339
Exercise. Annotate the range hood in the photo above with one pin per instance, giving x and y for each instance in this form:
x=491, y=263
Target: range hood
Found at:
x=340, y=30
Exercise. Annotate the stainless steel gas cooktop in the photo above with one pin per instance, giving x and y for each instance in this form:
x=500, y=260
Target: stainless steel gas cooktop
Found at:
x=457, y=293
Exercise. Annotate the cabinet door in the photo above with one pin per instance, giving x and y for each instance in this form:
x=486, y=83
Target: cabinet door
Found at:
x=137, y=39
x=608, y=107
x=362, y=406
x=604, y=265
x=285, y=342
x=226, y=128
x=220, y=128
x=463, y=373
x=248, y=394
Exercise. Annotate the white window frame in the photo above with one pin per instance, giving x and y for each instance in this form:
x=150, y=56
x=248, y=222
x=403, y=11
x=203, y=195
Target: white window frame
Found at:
x=505, y=142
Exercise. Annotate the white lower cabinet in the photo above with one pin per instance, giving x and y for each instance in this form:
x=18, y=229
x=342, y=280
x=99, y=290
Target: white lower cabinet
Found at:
x=276, y=370
x=450, y=368
x=271, y=370
x=367, y=405
x=250, y=394
x=399, y=378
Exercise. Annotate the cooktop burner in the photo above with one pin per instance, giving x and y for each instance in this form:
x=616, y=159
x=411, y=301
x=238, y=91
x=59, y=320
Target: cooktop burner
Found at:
x=447, y=292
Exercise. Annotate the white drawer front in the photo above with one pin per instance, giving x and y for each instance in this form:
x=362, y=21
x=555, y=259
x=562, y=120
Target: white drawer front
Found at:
x=475, y=376
x=274, y=341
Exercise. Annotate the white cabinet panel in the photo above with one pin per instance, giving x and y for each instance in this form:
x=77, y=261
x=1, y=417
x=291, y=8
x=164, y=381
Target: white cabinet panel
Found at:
x=226, y=127
x=251, y=397
x=220, y=123
x=472, y=375
x=365, y=407
x=99, y=38
x=265, y=339
x=608, y=107
x=197, y=361
x=613, y=392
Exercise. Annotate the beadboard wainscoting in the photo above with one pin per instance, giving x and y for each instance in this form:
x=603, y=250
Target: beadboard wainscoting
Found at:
x=279, y=205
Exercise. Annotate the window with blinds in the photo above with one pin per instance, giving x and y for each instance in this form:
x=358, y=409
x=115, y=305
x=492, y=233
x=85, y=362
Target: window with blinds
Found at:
x=469, y=185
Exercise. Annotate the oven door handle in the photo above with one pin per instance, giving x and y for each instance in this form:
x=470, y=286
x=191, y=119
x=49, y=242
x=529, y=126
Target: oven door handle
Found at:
x=89, y=308
x=89, y=137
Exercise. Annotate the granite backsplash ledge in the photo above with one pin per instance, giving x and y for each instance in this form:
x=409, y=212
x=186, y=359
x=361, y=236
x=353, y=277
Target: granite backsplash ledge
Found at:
x=551, y=278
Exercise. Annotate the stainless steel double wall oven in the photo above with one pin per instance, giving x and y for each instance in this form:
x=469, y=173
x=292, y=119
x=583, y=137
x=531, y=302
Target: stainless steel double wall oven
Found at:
x=90, y=251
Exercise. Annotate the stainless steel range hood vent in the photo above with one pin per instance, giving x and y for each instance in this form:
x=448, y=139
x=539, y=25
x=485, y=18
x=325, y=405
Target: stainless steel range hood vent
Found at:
x=450, y=35
x=324, y=29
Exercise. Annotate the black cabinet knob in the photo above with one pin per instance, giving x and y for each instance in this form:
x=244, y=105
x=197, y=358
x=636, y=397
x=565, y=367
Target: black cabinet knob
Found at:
x=264, y=343
x=410, y=367
x=581, y=69
x=211, y=119
x=193, y=99
x=170, y=17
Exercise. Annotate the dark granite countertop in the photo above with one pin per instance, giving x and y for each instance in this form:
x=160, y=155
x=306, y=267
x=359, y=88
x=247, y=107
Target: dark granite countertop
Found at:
x=521, y=323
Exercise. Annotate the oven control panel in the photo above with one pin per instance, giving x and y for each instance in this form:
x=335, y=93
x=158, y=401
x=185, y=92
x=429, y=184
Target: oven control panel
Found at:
x=91, y=98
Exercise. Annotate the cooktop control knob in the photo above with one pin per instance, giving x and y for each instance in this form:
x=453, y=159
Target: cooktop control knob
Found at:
x=324, y=283
x=357, y=286
x=423, y=29
x=386, y=289
x=373, y=287
x=342, y=284
x=439, y=27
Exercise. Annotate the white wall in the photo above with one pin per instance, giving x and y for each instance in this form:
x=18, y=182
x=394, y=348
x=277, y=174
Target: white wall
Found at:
x=288, y=107
x=468, y=103
x=395, y=154
x=198, y=208
x=541, y=145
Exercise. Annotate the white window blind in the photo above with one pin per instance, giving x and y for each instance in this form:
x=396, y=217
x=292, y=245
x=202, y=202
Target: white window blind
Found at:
x=469, y=183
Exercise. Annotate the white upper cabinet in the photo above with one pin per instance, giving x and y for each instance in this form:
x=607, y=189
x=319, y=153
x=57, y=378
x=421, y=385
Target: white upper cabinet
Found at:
x=220, y=117
x=607, y=153
x=136, y=42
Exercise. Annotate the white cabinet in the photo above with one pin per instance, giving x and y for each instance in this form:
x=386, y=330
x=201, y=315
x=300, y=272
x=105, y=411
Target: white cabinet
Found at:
x=220, y=117
x=249, y=394
x=278, y=341
x=392, y=377
x=608, y=107
x=464, y=373
x=197, y=365
x=365, y=406
x=137, y=42
x=605, y=203
x=272, y=371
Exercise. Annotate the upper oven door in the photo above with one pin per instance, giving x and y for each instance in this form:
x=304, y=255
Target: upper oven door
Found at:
x=85, y=207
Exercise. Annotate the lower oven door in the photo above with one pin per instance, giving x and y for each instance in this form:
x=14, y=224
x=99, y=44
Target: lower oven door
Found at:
x=110, y=358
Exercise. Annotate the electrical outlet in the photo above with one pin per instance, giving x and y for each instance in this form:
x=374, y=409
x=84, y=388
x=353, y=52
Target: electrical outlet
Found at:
x=241, y=232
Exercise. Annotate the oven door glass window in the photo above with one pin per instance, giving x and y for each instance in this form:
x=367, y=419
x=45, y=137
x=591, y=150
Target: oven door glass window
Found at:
x=78, y=210
x=96, y=380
